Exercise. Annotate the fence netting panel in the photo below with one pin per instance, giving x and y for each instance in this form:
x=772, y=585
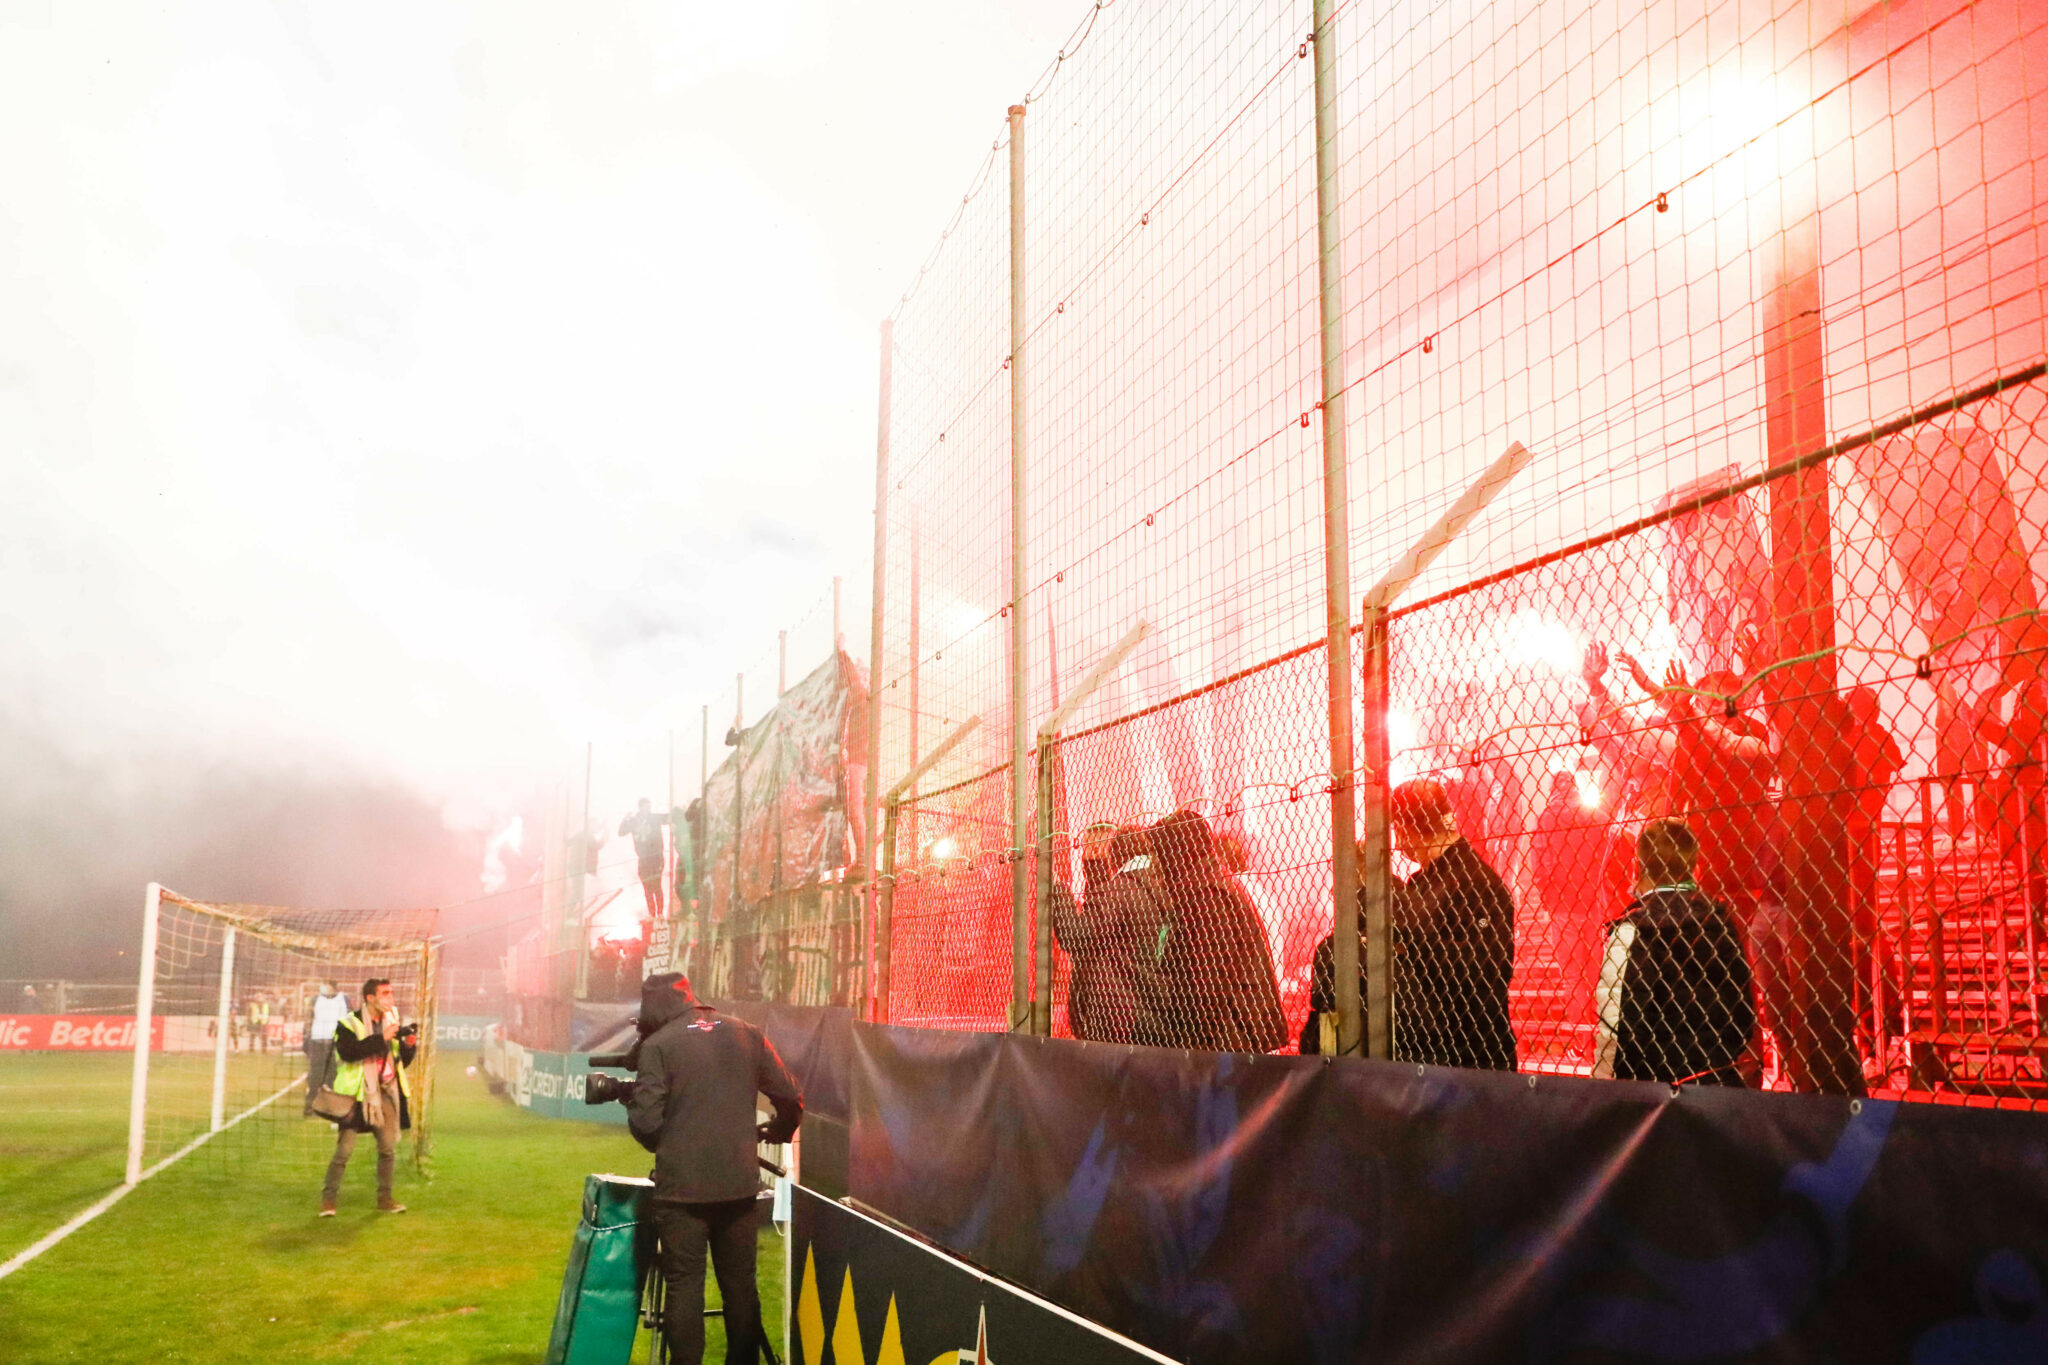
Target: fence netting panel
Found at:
x=949, y=919
x=1665, y=251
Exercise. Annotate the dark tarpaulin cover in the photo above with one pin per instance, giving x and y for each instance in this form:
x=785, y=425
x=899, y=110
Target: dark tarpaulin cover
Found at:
x=1220, y=1207
x=797, y=767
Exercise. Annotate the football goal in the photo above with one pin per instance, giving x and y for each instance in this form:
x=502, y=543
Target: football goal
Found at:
x=227, y=1001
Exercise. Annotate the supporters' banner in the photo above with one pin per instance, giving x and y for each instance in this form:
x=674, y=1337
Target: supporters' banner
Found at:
x=858, y=1278
x=791, y=823
x=660, y=946
x=1279, y=1208
x=75, y=1033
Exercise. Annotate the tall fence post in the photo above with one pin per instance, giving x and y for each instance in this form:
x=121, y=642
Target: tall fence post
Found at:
x=1336, y=540
x=700, y=848
x=1374, y=883
x=736, y=979
x=224, y=1016
x=1021, y=856
x=1375, y=613
x=885, y=914
x=1816, y=1027
x=145, y=1005
x=1048, y=775
x=875, y=910
x=1042, y=866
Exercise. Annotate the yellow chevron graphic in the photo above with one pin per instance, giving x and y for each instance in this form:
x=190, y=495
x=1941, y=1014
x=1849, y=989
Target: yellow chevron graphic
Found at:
x=810, y=1315
x=846, y=1347
x=892, y=1339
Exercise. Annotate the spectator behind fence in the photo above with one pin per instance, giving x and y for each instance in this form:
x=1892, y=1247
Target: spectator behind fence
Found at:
x=1214, y=970
x=1126, y=917
x=1675, y=1002
x=1454, y=941
x=649, y=850
x=1088, y=935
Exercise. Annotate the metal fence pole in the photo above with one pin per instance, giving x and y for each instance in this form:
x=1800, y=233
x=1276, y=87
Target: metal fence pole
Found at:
x=1373, y=873
x=1042, y=854
x=1373, y=870
x=885, y=914
x=875, y=926
x=1048, y=778
x=1020, y=801
x=736, y=978
x=1336, y=541
x=1821, y=1053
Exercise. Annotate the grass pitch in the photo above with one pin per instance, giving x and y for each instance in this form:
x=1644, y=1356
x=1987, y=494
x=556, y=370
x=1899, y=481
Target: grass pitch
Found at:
x=220, y=1258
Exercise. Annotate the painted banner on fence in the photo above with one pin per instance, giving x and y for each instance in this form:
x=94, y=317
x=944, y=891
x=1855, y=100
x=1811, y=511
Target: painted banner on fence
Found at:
x=75, y=1033
x=905, y=1300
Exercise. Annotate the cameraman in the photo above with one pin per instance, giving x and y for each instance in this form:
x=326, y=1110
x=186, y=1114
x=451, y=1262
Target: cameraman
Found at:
x=374, y=1053
x=693, y=1107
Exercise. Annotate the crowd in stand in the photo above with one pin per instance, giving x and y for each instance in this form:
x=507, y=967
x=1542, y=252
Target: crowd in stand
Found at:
x=1168, y=949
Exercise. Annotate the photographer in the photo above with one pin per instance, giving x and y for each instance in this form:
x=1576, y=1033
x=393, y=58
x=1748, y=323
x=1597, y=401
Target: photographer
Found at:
x=374, y=1053
x=692, y=1105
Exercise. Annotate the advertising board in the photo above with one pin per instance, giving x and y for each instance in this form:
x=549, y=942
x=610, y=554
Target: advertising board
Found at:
x=75, y=1033
x=856, y=1277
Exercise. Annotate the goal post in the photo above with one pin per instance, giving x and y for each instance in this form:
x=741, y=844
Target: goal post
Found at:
x=145, y=1000
x=225, y=998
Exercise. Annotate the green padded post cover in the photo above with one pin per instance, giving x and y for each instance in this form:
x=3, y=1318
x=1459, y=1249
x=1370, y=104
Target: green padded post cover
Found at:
x=599, y=1311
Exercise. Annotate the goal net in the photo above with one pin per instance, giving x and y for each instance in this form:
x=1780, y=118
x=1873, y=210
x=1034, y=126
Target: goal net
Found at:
x=224, y=1011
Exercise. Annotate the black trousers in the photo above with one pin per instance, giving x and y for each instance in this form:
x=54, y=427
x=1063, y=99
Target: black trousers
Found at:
x=728, y=1231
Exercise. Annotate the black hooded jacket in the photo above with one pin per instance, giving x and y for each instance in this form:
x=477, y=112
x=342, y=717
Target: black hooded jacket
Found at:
x=693, y=1106
x=1686, y=1012
x=1453, y=955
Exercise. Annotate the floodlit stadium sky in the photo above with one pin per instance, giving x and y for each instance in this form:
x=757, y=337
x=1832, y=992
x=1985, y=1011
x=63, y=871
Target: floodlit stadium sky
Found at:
x=421, y=390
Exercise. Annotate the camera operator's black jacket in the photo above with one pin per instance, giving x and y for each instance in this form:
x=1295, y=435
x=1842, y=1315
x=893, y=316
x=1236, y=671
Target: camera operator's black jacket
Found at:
x=693, y=1103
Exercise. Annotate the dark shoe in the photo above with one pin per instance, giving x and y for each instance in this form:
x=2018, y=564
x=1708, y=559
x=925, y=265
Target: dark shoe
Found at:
x=327, y=1208
x=386, y=1204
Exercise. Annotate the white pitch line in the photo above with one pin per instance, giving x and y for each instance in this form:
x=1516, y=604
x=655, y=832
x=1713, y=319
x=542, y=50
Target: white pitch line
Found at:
x=22, y=1258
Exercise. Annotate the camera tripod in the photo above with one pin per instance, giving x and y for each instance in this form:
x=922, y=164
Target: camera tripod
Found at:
x=655, y=1298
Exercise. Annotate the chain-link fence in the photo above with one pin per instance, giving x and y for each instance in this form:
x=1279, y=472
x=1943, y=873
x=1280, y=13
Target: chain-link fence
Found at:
x=1864, y=796
x=1709, y=739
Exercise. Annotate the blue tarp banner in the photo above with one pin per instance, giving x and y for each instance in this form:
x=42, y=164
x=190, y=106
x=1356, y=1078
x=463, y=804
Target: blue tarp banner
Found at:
x=1222, y=1207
